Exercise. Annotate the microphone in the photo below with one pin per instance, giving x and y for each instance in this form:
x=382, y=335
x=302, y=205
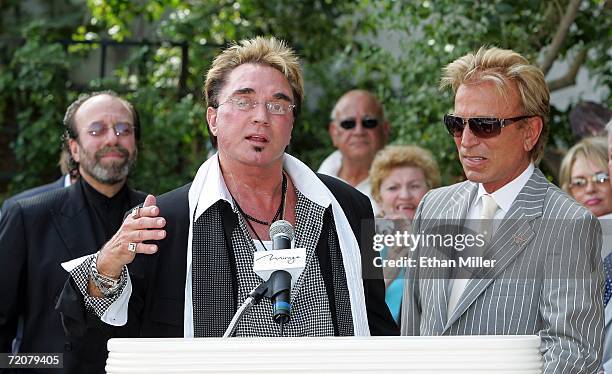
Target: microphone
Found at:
x=279, y=284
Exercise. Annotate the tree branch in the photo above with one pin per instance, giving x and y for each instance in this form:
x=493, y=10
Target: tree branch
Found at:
x=555, y=46
x=569, y=78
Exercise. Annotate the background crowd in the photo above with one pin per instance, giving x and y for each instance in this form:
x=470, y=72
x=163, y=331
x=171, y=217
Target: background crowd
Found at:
x=509, y=145
x=157, y=52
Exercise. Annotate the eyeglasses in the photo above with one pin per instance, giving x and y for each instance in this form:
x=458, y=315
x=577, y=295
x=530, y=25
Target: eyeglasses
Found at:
x=366, y=122
x=120, y=128
x=247, y=104
x=580, y=183
x=482, y=127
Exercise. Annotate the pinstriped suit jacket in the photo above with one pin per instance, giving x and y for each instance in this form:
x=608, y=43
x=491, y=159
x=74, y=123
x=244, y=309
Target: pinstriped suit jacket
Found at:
x=548, y=278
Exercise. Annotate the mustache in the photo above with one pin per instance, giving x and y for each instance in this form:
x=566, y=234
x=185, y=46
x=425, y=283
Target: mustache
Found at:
x=103, y=151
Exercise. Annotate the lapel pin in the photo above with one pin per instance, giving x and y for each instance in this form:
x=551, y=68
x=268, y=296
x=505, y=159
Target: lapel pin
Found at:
x=519, y=239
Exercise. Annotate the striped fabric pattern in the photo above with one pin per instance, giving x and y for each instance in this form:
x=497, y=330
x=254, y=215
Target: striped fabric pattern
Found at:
x=548, y=278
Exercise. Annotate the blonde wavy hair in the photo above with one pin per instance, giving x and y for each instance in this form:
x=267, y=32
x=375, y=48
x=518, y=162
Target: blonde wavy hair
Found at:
x=502, y=66
x=594, y=149
x=396, y=156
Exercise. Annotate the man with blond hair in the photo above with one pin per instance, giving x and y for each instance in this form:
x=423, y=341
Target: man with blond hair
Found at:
x=547, y=278
x=196, y=244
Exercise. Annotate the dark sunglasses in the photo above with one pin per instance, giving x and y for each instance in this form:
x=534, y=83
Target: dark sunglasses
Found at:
x=482, y=127
x=366, y=122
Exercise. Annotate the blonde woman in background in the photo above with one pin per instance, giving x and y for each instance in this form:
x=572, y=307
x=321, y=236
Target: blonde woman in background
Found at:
x=584, y=175
x=400, y=175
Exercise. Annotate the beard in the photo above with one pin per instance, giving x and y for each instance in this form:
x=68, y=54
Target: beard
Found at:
x=112, y=172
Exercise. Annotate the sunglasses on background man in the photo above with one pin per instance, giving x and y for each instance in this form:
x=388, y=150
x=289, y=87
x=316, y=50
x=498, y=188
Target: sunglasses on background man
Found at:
x=481, y=127
x=366, y=122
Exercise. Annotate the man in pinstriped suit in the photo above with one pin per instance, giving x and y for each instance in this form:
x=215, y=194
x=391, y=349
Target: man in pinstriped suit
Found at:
x=547, y=279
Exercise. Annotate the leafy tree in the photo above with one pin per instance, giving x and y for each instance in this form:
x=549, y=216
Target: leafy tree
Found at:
x=421, y=37
x=394, y=48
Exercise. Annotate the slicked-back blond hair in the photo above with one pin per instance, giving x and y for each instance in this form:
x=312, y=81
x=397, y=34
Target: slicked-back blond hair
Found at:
x=502, y=66
x=594, y=149
x=397, y=156
x=271, y=52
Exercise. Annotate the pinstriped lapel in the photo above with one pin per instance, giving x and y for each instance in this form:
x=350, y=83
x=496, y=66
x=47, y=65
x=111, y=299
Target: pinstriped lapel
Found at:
x=510, y=239
x=452, y=210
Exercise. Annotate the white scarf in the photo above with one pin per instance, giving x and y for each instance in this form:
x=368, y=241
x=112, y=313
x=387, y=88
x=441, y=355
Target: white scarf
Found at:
x=208, y=187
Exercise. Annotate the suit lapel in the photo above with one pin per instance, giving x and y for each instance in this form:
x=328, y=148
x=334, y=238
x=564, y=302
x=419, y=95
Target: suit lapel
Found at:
x=452, y=215
x=511, y=238
x=73, y=223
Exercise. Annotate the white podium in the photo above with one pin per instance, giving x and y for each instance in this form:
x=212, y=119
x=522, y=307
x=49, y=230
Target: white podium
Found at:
x=420, y=354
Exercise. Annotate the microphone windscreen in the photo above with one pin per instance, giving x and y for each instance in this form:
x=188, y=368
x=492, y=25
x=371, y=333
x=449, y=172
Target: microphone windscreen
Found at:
x=281, y=227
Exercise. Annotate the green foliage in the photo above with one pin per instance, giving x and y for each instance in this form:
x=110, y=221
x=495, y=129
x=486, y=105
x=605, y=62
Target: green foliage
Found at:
x=421, y=37
x=35, y=86
x=173, y=143
x=394, y=48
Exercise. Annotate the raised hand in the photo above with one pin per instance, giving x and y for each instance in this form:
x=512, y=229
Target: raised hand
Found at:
x=142, y=224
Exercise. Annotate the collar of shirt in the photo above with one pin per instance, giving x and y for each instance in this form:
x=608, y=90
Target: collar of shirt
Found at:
x=504, y=197
x=98, y=198
x=331, y=166
x=208, y=187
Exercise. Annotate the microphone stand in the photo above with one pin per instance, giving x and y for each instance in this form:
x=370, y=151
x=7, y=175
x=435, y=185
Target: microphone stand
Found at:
x=254, y=298
x=270, y=289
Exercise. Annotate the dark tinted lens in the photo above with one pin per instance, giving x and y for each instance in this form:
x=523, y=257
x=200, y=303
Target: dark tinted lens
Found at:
x=485, y=127
x=454, y=125
x=348, y=124
x=369, y=123
x=96, y=129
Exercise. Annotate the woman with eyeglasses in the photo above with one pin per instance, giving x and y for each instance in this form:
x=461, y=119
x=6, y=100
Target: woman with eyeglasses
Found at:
x=400, y=175
x=584, y=175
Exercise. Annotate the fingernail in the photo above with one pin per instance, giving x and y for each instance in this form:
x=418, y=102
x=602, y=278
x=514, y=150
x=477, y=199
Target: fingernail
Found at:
x=161, y=234
x=160, y=222
x=154, y=210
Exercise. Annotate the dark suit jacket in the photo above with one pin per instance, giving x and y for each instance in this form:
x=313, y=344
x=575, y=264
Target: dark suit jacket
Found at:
x=32, y=192
x=157, y=302
x=36, y=235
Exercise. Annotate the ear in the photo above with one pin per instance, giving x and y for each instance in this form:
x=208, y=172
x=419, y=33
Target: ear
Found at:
x=211, y=118
x=531, y=132
x=333, y=133
x=73, y=146
x=386, y=131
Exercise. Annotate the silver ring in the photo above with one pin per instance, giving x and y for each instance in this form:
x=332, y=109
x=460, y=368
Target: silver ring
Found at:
x=135, y=213
x=132, y=247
